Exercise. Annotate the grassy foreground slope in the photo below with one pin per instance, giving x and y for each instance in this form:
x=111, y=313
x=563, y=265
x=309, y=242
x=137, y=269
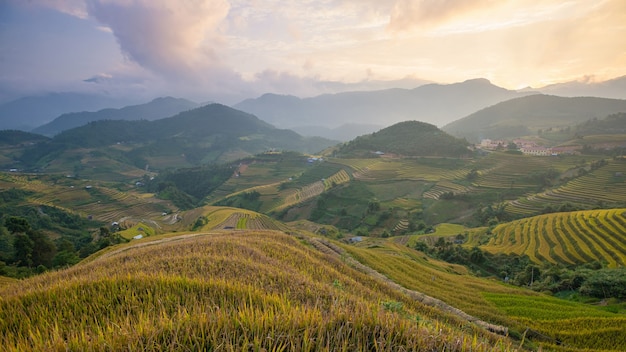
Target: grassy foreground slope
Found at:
x=550, y=323
x=247, y=290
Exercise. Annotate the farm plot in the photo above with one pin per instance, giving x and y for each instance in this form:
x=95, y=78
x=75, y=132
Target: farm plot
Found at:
x=445, y=187
x=409, y=169
x=360, y=167
x=247, y=221
x=606, y=184
x=567, y=323
x=312, y=190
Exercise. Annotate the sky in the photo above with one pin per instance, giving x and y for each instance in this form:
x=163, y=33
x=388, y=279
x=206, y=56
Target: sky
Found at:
x=228, y=50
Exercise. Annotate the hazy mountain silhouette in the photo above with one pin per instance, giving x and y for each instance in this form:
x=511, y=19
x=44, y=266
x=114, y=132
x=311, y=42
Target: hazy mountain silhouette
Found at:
x=342, y=133
x=433, y=103
x=525, y=115
x=614, y=88
x=156, y=109
x=30, y=112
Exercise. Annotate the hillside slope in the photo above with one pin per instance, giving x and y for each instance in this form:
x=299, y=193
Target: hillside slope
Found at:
x=16, y=137
x=612, y=124
x=525, y=115
x=227, y=291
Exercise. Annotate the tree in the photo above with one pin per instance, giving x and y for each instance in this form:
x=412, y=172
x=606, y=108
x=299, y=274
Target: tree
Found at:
x=23, y=250
x=65, y=258
x=477, y=256
x=44, y=249
x=373, y=206
x=606, y=283
x=105, y=232
x=6, y=245
x=16, y=224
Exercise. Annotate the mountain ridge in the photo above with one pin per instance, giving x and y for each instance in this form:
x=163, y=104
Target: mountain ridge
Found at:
x=30, y=112
x=201, y=135
x=525, y=115
x=156, y=109
x=432, y=103
x=614, y=88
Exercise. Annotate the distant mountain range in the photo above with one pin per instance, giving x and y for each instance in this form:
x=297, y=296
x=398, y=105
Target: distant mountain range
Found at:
x=156, y=109
x=342, y=133
x=526, y=115
x=339, y=116
x=432, y=103
x=31, y=112
x=614, y=88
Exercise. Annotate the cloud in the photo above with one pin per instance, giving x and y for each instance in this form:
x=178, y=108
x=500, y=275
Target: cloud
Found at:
x=170, y=37
x=99, y=78
x=407, y=14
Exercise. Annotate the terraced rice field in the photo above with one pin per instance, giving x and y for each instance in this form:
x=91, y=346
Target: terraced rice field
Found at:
x=410, y=169
x=103, y=203
x=511, y=172
x=567, y=322
x=604, y=185
x=312, y=190
x=248, y=221
x=400, y=169
x=445, y=186
x=568, y=238
x=564, y=325
x=359, y=167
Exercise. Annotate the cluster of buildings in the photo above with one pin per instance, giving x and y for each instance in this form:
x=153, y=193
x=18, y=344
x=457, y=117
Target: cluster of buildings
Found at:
x=528, y=147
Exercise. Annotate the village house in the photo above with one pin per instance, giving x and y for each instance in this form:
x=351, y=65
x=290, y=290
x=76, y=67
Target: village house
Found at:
x=536, y=151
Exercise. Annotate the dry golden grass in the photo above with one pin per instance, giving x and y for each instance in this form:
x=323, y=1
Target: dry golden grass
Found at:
x=248, y=290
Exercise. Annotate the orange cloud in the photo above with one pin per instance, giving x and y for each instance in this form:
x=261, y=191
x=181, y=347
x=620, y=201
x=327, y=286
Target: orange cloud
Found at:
x=167, y=36
x=407, y=14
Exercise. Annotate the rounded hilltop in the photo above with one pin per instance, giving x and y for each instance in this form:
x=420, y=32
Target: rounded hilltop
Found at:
x=408, y=138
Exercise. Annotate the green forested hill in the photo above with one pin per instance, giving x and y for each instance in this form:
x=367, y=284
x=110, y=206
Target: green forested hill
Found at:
x=15, y=137
x=409, y=138
x=207, y=134
x=612, y=124
x=522, y=116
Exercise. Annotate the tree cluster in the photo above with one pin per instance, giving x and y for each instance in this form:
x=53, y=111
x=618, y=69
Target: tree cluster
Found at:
x=186, y=187
x=590, y=280
x=34, y=239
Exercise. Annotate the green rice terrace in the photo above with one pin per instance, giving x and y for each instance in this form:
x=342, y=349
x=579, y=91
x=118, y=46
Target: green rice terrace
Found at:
x=565, y=238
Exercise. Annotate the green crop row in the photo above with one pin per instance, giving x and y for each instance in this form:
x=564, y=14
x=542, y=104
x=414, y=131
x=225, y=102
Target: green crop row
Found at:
x=573, y=237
